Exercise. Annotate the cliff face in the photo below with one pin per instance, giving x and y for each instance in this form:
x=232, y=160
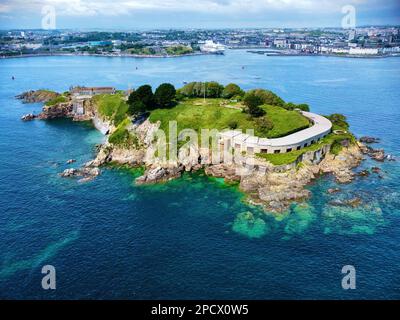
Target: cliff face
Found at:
x=59, y=110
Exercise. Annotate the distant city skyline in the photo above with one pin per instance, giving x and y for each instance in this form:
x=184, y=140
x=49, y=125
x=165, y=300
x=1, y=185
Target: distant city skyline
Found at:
x=153, y=14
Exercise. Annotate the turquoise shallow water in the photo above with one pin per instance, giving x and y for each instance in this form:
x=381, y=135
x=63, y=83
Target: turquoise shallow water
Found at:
x=193, y=237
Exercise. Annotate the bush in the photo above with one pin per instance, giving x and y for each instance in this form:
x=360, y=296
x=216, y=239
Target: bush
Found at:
x=233, y=124
x=303, y=106
x=252, y=101
x=339, y=120
x=264, y=124
x=165, y=95
x=268, y=97
x=292, y=106
x=231, y=90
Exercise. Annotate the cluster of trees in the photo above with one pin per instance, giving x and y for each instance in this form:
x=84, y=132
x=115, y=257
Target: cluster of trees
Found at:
x=253, y=99
x=143, y=99
x=211, y=89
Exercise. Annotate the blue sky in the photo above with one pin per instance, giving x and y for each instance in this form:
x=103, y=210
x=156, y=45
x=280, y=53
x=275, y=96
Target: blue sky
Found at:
x=151, y=14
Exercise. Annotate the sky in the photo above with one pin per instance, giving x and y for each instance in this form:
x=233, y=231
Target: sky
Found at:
x=153, y=14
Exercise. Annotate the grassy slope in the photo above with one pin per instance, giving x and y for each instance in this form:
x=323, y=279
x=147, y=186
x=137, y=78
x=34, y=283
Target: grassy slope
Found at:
x=194, y=114
x=111, y=107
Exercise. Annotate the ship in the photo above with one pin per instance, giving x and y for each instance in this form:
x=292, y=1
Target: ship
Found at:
x=211, y=47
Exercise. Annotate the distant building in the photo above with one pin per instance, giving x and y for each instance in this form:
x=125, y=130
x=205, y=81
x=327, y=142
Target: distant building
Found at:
x=280, y=43
x=363, y=51
x=352, y=35
x=91, y=91
x=82, y=94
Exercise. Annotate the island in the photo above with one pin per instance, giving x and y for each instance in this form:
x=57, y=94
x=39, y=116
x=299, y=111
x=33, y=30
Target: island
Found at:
x=269, y=148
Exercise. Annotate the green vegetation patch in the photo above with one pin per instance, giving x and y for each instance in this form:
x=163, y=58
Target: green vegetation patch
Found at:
x=197, y=115
x=54, y=101
x=122, y=137
x=112, y=107
x=178, y=50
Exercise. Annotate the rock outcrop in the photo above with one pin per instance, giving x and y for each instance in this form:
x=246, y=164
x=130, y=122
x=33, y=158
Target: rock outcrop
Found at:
x=86, y=173
x=159, y=174
x=28, y=117
x=59, y=110
x=37, y=96
x=368, y=139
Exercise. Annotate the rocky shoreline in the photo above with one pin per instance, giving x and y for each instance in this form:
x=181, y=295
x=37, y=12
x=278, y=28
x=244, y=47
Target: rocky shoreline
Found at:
x=274, y=188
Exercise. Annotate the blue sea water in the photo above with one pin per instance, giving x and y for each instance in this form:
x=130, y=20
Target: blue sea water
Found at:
x=187, y=239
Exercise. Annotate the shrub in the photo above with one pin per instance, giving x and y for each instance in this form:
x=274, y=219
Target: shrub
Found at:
x=303, y=106
x=251, y=100
x=231, y=90
x=292, y=106
x=233, y=124
x=339, y=120
x=264, y=124
x=268, y=97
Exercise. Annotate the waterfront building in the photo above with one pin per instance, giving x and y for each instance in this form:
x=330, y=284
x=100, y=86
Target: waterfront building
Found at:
x=364, y=51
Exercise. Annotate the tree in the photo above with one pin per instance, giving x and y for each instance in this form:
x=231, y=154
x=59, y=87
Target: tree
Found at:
x=141, y=100
x=231, y=90
x=213, y=89
x=196, y=89
x=164, y=95
x=253, y=103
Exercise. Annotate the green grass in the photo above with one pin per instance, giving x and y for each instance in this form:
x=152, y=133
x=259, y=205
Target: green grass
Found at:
x=111, y=107
x=58, y=99
x=194, y=114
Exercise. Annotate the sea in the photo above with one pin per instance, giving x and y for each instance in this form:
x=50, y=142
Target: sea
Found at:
x=194, y=237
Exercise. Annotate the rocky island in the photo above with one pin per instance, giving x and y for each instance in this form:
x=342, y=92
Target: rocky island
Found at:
x=270, y=148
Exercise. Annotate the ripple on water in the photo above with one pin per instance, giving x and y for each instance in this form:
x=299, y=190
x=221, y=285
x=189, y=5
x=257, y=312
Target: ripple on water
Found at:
x=8, y=267
x=343, y=220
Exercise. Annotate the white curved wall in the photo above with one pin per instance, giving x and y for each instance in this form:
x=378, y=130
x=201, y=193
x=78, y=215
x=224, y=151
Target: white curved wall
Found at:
x=295, y=141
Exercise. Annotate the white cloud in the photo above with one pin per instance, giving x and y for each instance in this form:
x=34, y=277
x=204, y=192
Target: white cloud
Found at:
x=119, y=7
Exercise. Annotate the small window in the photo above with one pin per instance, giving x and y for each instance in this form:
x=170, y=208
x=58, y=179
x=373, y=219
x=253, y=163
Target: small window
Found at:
x=305, y=145
x=312, y=141
x=237, y=145
x=299, y=147
x=288, y=149
x=277, y=151
x=264, y=150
